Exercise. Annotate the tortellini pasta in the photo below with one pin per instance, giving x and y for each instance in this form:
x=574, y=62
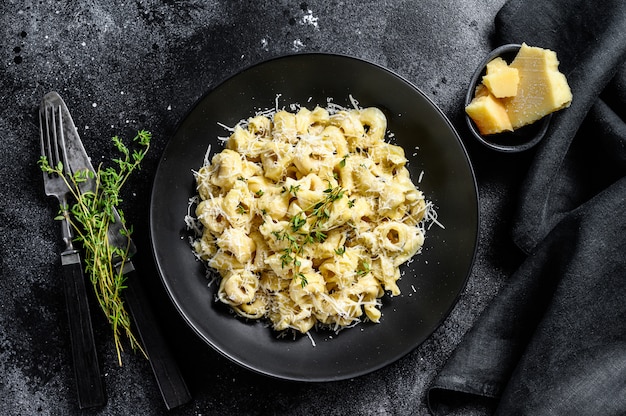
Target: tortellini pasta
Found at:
x=307, y=216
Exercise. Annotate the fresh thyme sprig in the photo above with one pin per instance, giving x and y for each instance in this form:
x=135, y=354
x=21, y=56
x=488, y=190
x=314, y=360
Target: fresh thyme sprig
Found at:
x=321, y=210
x=92, y=214
x=297, y=240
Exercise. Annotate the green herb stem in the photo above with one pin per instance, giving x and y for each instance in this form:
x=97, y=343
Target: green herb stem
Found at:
x=91, y=216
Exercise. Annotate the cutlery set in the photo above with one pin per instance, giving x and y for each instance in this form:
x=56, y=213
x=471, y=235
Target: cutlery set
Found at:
x=61, y=144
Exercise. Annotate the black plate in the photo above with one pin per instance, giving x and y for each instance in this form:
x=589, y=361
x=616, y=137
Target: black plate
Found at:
x=430, y=284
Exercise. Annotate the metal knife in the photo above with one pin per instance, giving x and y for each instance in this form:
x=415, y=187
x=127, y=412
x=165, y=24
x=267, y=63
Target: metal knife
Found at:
x=167, y=373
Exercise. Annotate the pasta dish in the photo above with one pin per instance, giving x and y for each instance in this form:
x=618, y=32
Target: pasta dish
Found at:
x=307, y=215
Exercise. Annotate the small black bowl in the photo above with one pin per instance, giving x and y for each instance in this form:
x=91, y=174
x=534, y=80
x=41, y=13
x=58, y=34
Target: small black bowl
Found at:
x=509, y=142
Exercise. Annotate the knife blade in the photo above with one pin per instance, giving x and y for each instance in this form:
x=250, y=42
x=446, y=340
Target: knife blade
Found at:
x=169, y=378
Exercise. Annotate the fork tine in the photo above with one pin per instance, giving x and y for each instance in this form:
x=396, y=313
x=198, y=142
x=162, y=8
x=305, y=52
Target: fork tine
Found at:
x=55, y=139
x=46, y=145
x=41, y=141
x=61, y=145
x=51, y=133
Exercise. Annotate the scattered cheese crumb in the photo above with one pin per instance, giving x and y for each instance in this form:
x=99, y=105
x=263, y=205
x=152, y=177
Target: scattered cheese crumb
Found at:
x=297, y=45
x=309, y=19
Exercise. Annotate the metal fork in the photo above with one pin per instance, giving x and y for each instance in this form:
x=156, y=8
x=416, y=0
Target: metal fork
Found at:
x=86, y=369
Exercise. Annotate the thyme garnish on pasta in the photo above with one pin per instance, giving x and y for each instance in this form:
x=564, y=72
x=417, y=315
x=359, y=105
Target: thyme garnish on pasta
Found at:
x=320, y=212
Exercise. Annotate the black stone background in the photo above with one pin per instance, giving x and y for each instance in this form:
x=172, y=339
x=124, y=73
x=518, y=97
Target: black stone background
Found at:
x=123, y=65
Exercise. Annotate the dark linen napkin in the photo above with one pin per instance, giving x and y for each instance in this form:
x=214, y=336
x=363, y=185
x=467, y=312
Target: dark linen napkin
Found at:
x=553, y=341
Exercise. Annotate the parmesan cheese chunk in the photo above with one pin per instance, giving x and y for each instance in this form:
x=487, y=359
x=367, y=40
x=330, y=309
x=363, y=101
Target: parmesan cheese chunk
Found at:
x=515, y=95
x=488, y=113
x=501, y=80
x=542, y=88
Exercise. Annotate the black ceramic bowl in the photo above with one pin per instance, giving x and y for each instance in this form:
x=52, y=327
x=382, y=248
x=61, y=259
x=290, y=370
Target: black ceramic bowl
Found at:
x=515, y=141
x=430, y=284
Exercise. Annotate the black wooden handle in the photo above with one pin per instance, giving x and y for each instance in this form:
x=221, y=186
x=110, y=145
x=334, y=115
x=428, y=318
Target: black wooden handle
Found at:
x=86, y=369
x=167, y=373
